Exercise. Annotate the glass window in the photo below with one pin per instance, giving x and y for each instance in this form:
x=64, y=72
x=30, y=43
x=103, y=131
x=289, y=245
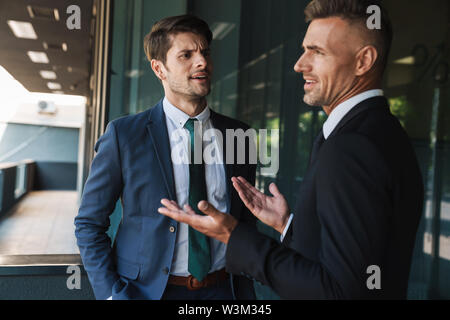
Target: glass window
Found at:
x=417, y=86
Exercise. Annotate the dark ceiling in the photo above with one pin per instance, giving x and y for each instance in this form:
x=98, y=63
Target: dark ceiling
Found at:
x=71, y=66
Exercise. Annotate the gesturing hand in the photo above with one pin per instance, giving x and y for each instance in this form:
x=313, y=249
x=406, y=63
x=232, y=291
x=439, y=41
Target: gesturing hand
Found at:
x=214, y=224
x=273, y=211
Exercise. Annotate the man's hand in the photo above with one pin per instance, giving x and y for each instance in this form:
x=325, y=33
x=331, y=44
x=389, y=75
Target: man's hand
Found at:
x=273, y=211
x=214, y=224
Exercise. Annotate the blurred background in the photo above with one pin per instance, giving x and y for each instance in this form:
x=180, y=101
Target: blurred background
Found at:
x=67, y=68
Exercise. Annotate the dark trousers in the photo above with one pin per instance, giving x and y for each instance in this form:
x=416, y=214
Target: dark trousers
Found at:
x=220, y=291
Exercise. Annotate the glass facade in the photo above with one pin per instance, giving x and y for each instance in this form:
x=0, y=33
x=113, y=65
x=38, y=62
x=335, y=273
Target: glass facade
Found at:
x=256, y=44
x=417, y=86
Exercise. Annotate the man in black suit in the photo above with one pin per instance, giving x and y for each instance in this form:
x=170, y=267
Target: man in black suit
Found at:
x=352, y=232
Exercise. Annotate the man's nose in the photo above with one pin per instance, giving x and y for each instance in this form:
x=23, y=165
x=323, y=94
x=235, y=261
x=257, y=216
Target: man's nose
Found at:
x=200, y=61
x=302, y=66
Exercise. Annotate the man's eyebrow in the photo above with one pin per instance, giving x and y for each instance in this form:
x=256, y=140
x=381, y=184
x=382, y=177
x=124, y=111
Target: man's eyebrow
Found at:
x=313, y=47
x=185, y=50
x=191, y=50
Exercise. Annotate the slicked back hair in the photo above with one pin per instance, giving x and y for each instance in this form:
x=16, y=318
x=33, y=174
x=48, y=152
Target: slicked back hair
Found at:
x=355, y=12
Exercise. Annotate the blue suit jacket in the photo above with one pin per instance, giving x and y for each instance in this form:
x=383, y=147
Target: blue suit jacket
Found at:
x=133, y=163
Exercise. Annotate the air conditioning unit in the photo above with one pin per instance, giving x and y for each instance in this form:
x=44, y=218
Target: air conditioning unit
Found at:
x=46, y=107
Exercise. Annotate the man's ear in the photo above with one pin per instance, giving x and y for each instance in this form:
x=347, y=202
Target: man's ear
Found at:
x=365, y=60
x=158, y=69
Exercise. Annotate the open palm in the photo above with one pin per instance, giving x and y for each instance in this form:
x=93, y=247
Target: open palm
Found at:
x=273, y=211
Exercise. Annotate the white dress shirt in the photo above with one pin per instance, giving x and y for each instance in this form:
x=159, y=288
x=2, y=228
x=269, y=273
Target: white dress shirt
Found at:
x=215, y=185
x=333, y=120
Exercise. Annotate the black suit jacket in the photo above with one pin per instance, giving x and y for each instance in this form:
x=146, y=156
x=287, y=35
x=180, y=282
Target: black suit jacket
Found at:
x=359, y=205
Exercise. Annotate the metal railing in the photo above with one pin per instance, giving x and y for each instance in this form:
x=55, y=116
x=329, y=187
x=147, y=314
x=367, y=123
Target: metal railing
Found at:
x=16, y=180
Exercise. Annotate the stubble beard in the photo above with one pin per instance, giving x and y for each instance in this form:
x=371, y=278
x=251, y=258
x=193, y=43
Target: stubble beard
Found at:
x=313, y=98
x=189, y=91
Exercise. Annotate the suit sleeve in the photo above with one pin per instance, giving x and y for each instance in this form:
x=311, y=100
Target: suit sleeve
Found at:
x=353, y=206
x=101, y=192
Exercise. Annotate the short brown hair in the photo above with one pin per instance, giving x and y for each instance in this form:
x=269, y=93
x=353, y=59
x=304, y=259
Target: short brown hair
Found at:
x=355, y=11
x=157, y=42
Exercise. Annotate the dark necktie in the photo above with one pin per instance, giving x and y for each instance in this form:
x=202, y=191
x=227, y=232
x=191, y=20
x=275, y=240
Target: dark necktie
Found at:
x=199, y=260
x=316, y=146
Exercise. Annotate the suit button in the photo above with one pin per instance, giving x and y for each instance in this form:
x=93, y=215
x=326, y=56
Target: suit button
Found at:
x=165, y=270
x=172, y=229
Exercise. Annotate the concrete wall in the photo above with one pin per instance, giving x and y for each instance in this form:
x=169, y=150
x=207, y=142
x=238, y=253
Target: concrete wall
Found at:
x=54, y=149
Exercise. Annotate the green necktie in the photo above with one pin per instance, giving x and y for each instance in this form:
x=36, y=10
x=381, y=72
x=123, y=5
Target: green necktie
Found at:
x=199, y=261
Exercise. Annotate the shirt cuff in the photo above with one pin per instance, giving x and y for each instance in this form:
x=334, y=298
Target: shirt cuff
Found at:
x=286, y=228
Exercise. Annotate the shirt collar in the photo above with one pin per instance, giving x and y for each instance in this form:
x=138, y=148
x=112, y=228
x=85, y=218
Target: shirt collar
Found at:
x=179, y=117
x=343, y=108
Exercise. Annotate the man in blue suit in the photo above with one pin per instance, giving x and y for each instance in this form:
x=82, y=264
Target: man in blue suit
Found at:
x=153, y=256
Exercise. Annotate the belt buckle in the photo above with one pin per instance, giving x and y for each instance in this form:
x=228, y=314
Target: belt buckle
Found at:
x=191, y=283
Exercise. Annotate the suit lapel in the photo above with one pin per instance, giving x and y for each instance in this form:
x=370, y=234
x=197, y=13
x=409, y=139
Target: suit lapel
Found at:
x=157, y=130
x=379, y=101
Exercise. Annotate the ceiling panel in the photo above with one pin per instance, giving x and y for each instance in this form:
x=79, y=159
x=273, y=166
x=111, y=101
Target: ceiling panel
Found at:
x=71, y=66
